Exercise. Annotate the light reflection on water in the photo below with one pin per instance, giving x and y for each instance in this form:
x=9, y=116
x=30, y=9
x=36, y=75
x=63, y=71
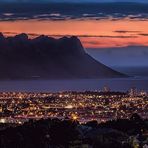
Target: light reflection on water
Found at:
x=74, y=85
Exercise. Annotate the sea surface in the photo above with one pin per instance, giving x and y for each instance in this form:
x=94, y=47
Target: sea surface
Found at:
x=120, y=84
x=138, y=79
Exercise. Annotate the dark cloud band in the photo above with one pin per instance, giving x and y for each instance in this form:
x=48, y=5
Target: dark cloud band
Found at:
x=51, y=11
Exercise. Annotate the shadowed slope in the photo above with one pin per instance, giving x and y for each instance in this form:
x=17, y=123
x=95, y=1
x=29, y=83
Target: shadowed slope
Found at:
x=48, y=58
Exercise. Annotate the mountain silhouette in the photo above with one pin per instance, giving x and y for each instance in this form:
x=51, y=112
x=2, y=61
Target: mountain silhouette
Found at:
x=48, y=58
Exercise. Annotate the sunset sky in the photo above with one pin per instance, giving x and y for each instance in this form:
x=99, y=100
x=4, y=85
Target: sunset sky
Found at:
x=105, y=25
x=93, y=34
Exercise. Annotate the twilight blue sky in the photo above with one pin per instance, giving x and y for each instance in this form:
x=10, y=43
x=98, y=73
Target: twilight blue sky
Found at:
x=145, y=1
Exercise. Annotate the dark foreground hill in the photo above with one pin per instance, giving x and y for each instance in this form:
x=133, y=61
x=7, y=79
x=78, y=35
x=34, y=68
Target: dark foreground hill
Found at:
x=48, y=58
x=55, y=133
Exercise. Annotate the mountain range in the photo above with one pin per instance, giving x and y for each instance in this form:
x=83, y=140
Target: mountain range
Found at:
x=48, y=58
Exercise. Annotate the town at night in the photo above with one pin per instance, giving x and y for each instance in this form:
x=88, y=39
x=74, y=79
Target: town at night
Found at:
x=19, y=107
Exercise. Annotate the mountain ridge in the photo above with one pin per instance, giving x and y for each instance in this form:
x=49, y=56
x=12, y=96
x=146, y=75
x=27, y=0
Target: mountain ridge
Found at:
x=48, y=58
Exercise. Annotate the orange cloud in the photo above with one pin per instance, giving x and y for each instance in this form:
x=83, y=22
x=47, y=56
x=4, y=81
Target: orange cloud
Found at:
x=93, y=33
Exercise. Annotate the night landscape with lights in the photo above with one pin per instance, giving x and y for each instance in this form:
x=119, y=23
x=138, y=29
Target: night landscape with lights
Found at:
x=73, y=74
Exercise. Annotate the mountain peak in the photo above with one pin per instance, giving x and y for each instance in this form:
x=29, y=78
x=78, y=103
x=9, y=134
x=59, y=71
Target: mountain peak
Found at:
x=43, y=38
x=74, y=37
x=1, y=36
x=22, y=37
x=49, y=58
x=71, y=45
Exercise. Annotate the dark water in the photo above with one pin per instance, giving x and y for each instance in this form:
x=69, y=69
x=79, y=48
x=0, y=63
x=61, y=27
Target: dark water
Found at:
x=133, y=71
x=78, y=85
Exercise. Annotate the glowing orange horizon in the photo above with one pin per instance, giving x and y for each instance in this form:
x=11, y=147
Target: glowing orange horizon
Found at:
x=93, y=33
